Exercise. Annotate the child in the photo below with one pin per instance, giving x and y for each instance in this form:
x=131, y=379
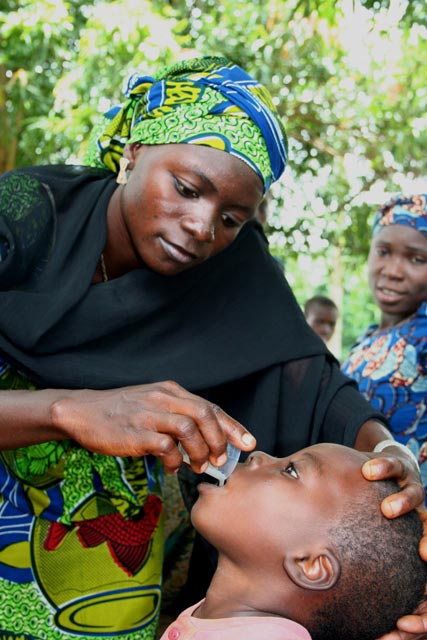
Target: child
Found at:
x=303, y=551
x=321, y=314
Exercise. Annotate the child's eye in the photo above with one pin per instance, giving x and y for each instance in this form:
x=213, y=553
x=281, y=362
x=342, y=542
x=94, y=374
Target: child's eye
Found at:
x=184, y=190
x=290, y=470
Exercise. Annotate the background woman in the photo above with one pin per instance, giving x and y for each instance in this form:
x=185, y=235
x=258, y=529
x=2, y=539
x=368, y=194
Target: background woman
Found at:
x=389, y=361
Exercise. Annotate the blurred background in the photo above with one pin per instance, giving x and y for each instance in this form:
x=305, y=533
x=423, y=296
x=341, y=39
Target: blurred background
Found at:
x=348, y=77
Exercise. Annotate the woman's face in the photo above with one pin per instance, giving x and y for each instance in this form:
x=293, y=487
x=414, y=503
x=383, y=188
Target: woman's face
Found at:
x=184, y=203
x=397, y=268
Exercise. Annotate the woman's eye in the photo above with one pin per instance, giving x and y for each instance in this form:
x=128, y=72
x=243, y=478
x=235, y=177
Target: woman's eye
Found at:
x=229, y=222
x=184, y=190
x=418, y=260
x=381, y=251
x=291, y=471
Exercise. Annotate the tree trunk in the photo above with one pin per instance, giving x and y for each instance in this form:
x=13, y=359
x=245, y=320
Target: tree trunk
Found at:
x=10, y=135
x=337, y=295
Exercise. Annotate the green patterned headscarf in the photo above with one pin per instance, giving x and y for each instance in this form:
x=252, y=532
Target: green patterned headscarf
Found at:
x=206, y=101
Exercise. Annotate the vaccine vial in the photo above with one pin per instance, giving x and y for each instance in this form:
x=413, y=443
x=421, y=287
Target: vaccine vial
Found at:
x=219, y=473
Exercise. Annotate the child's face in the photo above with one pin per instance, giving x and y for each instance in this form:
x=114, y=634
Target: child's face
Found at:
x=323, y=320
x=272, y=505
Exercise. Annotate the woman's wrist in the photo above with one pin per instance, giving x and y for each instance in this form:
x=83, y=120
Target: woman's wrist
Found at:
x=389, y=442
x=26, y=417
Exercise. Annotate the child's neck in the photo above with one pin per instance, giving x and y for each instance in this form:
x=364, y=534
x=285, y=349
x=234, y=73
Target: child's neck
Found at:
x=227, y=597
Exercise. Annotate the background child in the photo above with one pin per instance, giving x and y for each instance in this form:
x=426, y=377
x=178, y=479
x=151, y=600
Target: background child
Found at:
x=321, y=314
x=302, y=543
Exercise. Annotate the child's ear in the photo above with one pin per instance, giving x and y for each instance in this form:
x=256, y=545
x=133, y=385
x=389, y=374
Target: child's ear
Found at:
x=316, y=571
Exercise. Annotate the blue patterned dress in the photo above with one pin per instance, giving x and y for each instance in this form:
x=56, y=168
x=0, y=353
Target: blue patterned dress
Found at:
x=390, y=368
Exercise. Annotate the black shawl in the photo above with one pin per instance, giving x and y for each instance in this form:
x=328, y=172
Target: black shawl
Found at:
x=229, y=329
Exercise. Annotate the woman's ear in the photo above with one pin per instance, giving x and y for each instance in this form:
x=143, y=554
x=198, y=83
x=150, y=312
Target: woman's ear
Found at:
x=131, y=151
x=316, y=571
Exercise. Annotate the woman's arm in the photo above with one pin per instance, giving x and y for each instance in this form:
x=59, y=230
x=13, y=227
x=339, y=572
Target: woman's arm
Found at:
x=131, y=421
x=26, y=418
x=393, y=462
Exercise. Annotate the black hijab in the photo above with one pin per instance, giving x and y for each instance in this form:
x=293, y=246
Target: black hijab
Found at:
x=229, y=329
x=220, y=321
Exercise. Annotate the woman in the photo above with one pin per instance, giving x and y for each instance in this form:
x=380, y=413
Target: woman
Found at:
x=131, y=313
x=389, y=361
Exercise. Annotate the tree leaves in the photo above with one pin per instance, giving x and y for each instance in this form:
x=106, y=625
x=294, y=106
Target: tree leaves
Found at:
x=349, y=80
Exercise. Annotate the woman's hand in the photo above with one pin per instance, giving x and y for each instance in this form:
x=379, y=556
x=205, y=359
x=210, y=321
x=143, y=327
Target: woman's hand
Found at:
x=395, y=462
x=150, y=419
x=412, y=627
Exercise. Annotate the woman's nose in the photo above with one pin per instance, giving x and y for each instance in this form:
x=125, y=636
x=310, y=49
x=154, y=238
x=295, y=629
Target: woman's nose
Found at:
x=200, y=225
x=394, y=268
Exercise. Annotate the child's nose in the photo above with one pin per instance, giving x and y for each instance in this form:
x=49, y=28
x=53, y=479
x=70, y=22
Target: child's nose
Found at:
x=257, y=458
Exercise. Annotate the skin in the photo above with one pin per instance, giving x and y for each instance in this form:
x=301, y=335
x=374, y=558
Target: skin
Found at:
x=397, y=273
x=182, y=204
x=322, y=319
x=262, y=210
x=288, y=504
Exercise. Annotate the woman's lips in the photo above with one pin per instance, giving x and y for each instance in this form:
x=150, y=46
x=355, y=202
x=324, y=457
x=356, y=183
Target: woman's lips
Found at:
x=389, y=292
x=389, y=295
x=177, y=253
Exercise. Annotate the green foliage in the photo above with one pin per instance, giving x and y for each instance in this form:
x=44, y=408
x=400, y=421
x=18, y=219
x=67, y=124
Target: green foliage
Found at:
x=61, y=60
x=349, y=80
x=410, y=12
x=360, y=310
x=34, y=51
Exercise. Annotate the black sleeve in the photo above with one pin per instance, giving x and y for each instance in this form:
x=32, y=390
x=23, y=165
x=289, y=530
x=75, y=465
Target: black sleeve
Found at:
x=296, y=404
x=347, y=410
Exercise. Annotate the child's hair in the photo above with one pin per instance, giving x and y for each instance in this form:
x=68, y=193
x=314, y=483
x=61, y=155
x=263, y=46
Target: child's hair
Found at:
x=324, y=301
x=382, y=574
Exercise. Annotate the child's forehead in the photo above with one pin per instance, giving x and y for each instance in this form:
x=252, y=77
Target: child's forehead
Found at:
x=331, y=450
x=332, y=480
x=319, y=307
x=332, y=459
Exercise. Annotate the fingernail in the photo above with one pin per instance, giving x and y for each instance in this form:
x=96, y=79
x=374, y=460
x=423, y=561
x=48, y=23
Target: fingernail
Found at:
x=394, y=507
x=247, y=438
x=221, y=460
x=373, y=469
x=204, y=466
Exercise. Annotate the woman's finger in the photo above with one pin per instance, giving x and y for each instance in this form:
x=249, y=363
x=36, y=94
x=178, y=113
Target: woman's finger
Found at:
x=214, y=424
x=409, y=497
x=400, y=467
x=385, y=466
x=423, y=544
